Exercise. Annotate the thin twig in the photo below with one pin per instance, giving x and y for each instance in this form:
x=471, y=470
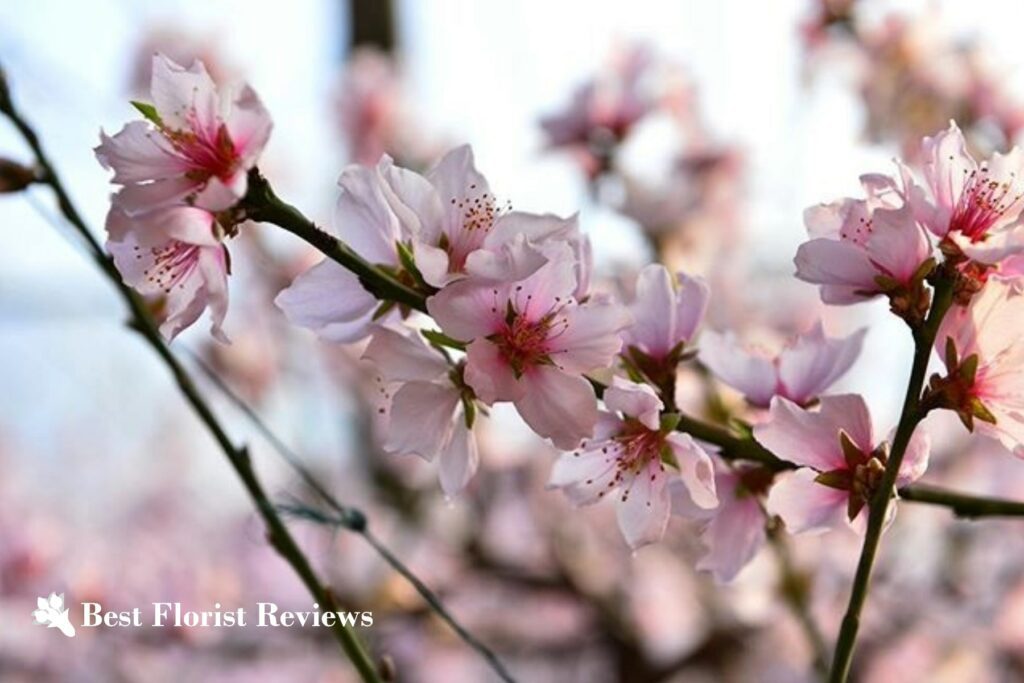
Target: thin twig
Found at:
x=262, y=205
x=350, y=518
x=910, y=417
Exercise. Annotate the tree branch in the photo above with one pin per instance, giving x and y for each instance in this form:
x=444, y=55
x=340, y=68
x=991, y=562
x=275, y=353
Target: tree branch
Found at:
x=354, y=520
x=262, y=205
x=963, y=505
x=911, y=416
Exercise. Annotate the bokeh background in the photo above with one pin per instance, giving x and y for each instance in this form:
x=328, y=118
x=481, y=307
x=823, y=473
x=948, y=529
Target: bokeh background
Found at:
x=110, y=490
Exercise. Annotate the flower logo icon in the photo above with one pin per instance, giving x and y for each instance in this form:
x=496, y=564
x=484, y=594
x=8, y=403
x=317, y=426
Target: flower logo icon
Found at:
x=50, y=612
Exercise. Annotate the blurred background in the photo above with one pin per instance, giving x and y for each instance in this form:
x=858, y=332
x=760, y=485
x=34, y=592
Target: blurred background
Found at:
x=690, y=132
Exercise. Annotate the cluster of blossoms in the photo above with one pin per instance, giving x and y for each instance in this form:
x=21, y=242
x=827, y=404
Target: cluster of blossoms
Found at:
x=913, y=73
x=182, y=171
x=510, y=316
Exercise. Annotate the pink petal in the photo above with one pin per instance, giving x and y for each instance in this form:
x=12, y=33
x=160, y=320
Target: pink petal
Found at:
x=634, y=400
x=946, y=164
x=139, y=153
x=249, y=125
x=403, y=357
x=414, y=201
x=459, y=460
x=186, y=99
x=466, y=310
x=915, y=459
x=750, y=373
x=815, y=362
x=805, y=505
x=644, y=508
x=695, y=470
x=590, y=337
x=329, y=300
x=897, y=244
x=585, y=476
x=136, y=200
x=509, y=261
x=812, y=438
x=455, y=176
x=422, y=419
x=735, y=531
x=558, y=406
x=842, y=264
x=364, y=219
x=490, y=375
x=432, y=263
x=534, y=228
x=654, y=312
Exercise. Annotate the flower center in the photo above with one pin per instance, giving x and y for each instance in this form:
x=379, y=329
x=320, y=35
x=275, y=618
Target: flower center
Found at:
x=472, y=219
x=524, y=343
x=214, y=157
x=983, y=202
x=172, y=263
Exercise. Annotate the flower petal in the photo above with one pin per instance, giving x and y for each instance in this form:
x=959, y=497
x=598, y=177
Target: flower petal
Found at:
x=558, y=406
x=804, y=505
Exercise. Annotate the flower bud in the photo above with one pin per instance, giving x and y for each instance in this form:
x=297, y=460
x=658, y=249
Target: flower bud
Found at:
x=14, y=177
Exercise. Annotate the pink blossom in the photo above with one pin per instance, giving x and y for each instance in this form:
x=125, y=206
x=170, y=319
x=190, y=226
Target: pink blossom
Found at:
x=860, y=248
x=196, y=148
x=801, y=371
x=425, y=409
x=628, y=455
x=175, y=259
x=733, y=532
x=988, y=329
x=459, y=228
x=531, y=340
x=448, y=221
x=610, y=103
x=975, y=205
x=370, y=105
x=666, y=312
x=840, y=462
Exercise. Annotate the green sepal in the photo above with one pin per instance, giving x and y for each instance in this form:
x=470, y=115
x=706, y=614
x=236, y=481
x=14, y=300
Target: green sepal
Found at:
x=441, y=339
x=149, y=112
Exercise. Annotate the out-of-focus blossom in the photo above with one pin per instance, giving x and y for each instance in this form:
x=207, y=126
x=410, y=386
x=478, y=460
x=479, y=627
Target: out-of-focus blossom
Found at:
x=183, y=45
x=861, y=248
x=800, y=372
x=975, y=206
x=531, y=340
x=984, y=355
x=376, y=115
x=369, y=106
x=733, y=532
x=666, y=313
x=702, y=183
x=427, y=412
x=604, y=110
x=841, y=462
x=195, y=148
x=627, y=458
x=175, y=259
x=914, y=73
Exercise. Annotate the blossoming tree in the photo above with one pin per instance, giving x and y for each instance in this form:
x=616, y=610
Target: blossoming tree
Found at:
x=459, y=303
